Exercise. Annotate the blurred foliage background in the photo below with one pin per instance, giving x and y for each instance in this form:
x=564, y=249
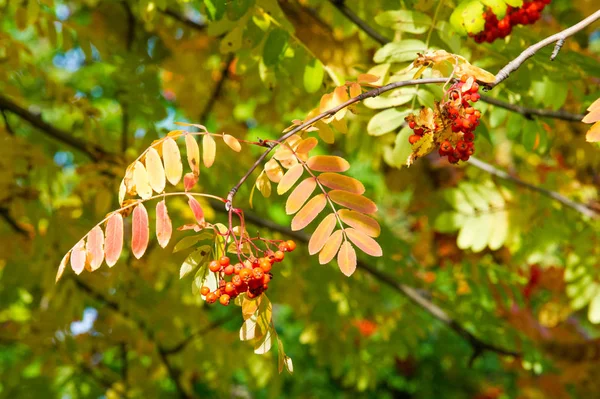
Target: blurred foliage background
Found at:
x=85, y=86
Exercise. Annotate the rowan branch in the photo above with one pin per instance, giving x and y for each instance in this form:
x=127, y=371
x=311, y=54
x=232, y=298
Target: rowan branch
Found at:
x=529, y=113
x=413, y=294
x=93, y=151
x=558, y=38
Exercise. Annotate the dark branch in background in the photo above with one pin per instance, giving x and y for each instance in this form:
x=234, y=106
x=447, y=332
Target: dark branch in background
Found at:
x=530, y=112
x=187, y=22
x=216, y=90
x=348, y=13
x=6, y=123
x=93, y=151
x=129, y=39
x=581, y=208
x=4, y=212
x=212, y=326
x=558, y=38
x=411, y=293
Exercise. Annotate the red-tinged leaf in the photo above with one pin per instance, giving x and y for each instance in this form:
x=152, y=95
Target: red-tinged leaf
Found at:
x=306, y=145
x=62, y=266
x=95, y=247
x=273, y=171
x=189, y=181
x=172, y=159
x=114, y=239
x=593, y=135
x=347, y=258
x=340, y=182
x=78, y=257
x=193, y=153
x=364, y=242
x=309, y=212
x=142, y=184
x=300, y=194
x=328, y=163
x=592, y=116
x=594, y=105
x=353, y=201
x=321, y=234
x=331, y=247
x=360, y=221
x=367, y=78
x=194, y=227
x=164, y=228
x=140, y=231
x=232, y=142
x=196, y=209
x=209, y=150
x=290, y=178
x=156, y=171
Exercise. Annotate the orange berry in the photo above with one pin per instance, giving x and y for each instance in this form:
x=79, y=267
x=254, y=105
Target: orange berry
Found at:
x=283, y=247
x=204, y=290
x=279, y=255
x=237, y=280
x=224, y=261
x=229, y=270
x=224, y=299
x=214, y=266
x=291, y=245
x=211, y=297
x=237, y=268
x=245, y=274
x=230, y=288
x=258, y=274
x=414, y=138
x=266, y=266
x=266, y=278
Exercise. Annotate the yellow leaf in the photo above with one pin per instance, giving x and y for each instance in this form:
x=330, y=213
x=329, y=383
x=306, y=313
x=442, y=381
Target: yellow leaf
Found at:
x=300, y=194
x=209, y=150
x=325, y=132
x=172, y=159
x=360, y=221
x=232, y=142
x=321, y=234
x=593, y=135
x=309, y=212
x=140, y=177
x=264, y=185
x=340, y=182
x=328, y=163
x=193, y=153
x=353, y=201
x=290, y=178
x=364, y=242
x=347, y=259
x=62, y=266
x=273, y=171
x=331, y=247
x=156, y=172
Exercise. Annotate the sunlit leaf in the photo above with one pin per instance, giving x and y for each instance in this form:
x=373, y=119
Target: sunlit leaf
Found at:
x=95, y=247
x=309, y=212
x=209, y=150
x=321, y=234
x=361, y=222
x=325, y=132
x=140, y=177
x=290, y=178
x=189, y=181
x=300, y=194
x=172, y=159
x=347, y=258
x=327, y=163
x=114, y=239
x=593, y=135
x=313, y=75
x=62, y=266
x=263, y=184
x=155, y=170
x=78, y=257
x=331, y=247
x=232, y=142
x=164, y=228
x=306, y=145
x=340, y=182
x=196, y=209
x=273, y=170
x=353, y=201
x=193, y=153
x=364, y=242
x=140, y=231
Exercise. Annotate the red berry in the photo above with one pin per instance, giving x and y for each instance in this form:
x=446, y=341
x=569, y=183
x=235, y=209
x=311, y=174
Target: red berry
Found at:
x=414, y=138
x=475, y=97
x=224, y=261
x=412, y=124
x=224, y=299
x=446, y=146
x=211, y=297
x=469, y=137
x=237, y=280
x=214, y=266
x=283, y=247
x=245, y=274
x=230, y=288
x=258, y=274
x=229, y=270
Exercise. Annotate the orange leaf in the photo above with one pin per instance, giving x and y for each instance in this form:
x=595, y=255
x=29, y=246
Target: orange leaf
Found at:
x=156, y=171
x=300, y=194
x=114, y=239
x=321, y=234
x=164, y=229
x=62, y=266
x=309, y=212
x=328, y=163
x=196, y=209
x=140, y=231
x=201, y=127
x=325, y=132
x=78, y=257
x=172, y=158
x=367, y=78
x=189, y=181
x=290, y=178
x=593, y=135
x=353, y=201
x=273, y=171
x=595, y=105
x=232, y=142
x=592, y=116
x=306, y=145
x=209, y=150
x=364, y=242
x=331, y=247
x=95, y=247
x=347, y=259
x=361, y=222
x=193, y=153
x=340, y=182
x=356, y=90
x=340, y=96
x=140, y=177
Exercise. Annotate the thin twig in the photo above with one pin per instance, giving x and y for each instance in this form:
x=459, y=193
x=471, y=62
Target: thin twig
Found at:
x=6, y=123
x=530, y=112
x=5, y=214
x=216, y=93
x=180, y=18
x=557, y=38
x=348, y=13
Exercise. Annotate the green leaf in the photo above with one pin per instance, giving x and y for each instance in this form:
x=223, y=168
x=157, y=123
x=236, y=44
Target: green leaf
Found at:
x=238, y=8
x=402, y=149
x=405, y=21
x=474, y=196
x=189, y=241
x=594, y=310
x=275, y=47
x=403, y=51
x=468, y=17
x=193, y=260
x=232, y=42
x=392, y=99
x=386, y=121
x=456, y=198
x=498, y=7
x=215, y=9
x=449, y=222
x=313, y=76
x=499, y=231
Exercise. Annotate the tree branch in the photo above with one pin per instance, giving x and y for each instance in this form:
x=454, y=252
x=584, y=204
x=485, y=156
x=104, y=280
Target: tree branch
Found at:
x=530, y=112
x=93, y=151
x=348, y=13
x=558, y=38
x=217, y=90
x=180, y=18
x=411, y=293
x=4, y=212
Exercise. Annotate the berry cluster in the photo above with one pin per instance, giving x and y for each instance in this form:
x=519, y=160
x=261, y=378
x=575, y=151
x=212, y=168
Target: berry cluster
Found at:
x=250, y=277
x=527, y=14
